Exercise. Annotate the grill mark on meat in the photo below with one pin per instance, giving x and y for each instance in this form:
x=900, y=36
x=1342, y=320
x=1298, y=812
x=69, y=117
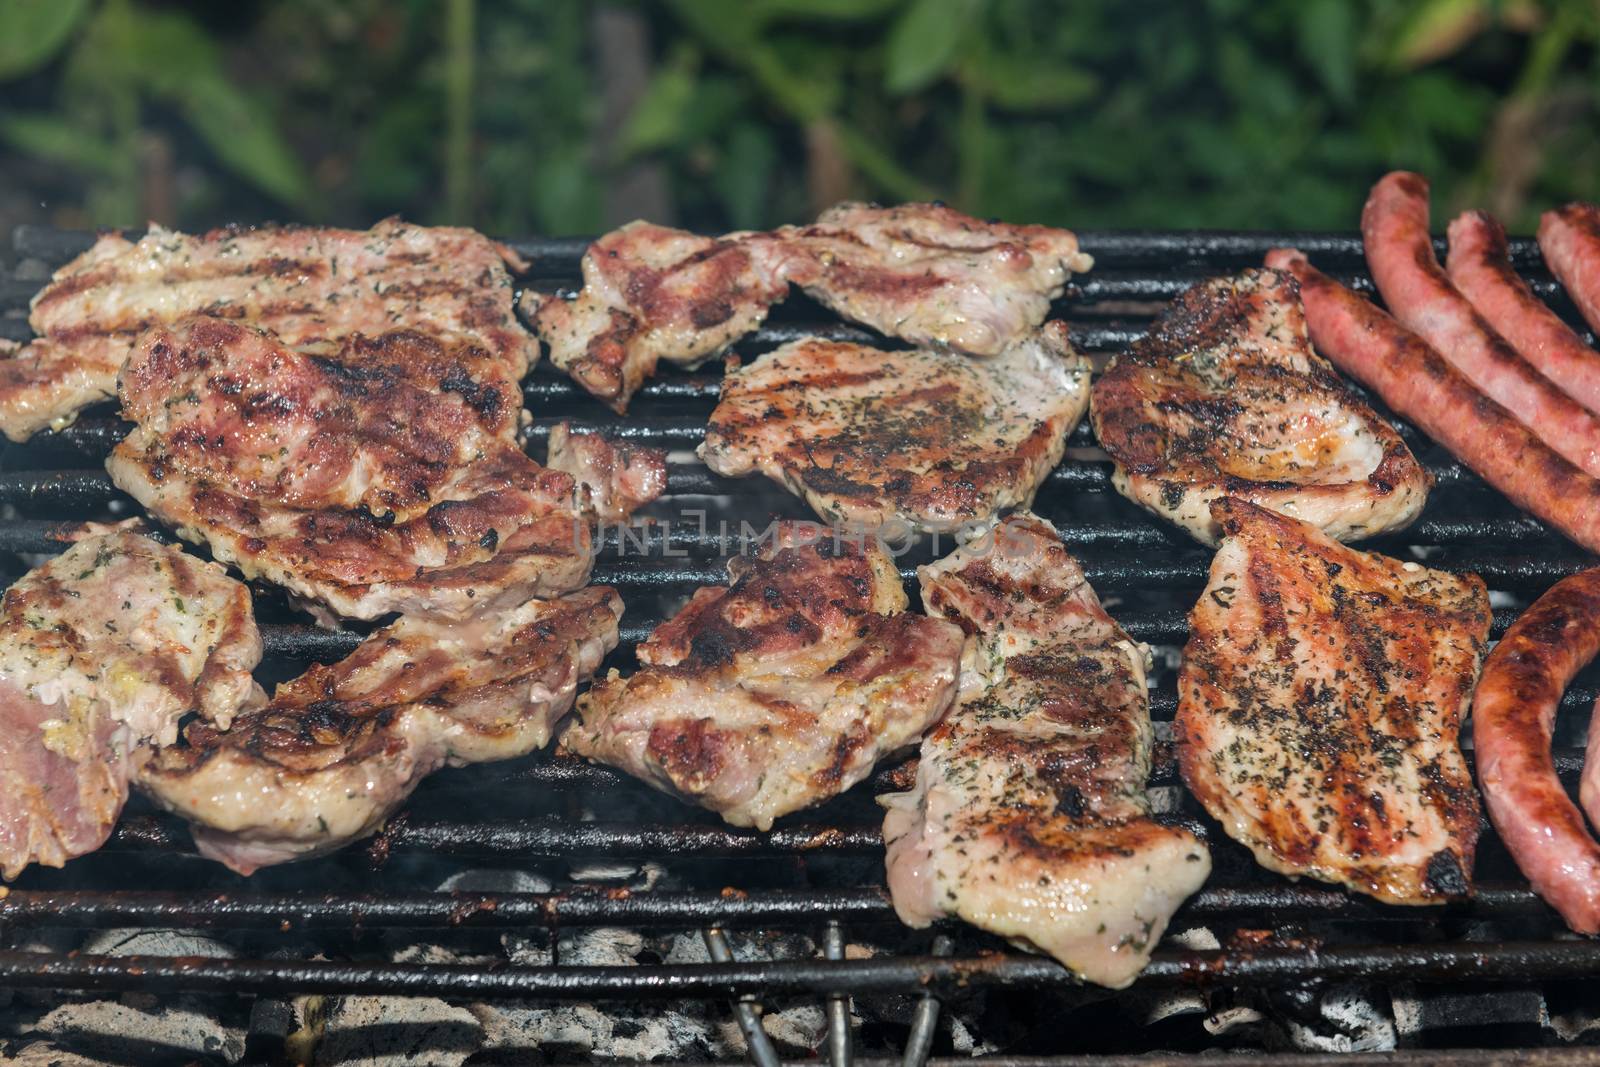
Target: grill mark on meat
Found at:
x=1029, y=817
x=799, y=674
x=1330, y=748
x=314, y=484
x=867, y=436
x=1224, y=396
x=308, y=286
x=338, y=749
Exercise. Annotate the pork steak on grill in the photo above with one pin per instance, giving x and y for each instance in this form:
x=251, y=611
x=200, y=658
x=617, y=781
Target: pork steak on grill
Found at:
x=311, y=287
x=1320, y=705
x=928, y=439
x=780, y=690
x=615, y=478
x=363, y=482
x=339, y=748
x=921, y=272
x=106, y=646
x=652, y=293
x=928, y=274
x=1029, y=817
x=1224, y=397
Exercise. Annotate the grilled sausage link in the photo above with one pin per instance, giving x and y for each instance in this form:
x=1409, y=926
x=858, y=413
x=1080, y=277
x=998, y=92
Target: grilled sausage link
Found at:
x=1416, y=382
x=1480, y=267
x=1513, y=718
x=1569, y=238
x=1394, y=228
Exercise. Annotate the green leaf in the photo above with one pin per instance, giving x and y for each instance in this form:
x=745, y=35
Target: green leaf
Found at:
x=657, y=120
x=239, y=130
x=1327, y=32
x=923, y=42
x=1028, y=86
x=62, y=141
x=1436, y=29
x=33, y=31
x=174, y=60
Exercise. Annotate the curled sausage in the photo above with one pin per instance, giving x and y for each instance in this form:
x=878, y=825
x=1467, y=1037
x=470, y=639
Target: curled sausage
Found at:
x=1513, y=719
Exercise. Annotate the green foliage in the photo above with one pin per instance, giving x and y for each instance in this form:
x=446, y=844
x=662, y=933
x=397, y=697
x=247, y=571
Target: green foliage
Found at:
x=1215, y=113
x=31, y=31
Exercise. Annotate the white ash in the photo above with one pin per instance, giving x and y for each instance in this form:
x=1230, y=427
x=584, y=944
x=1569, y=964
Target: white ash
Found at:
x=1227, y=1020
x=1155, y=1005
x=398, y=1032
x=1351, y=1021
x=495, y=880
x=121, y=1032
x=44, y=1054
x=577, y=1032
x=612, y=873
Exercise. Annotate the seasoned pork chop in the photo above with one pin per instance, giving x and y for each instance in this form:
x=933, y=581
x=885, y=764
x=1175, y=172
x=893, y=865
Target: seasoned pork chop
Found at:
x=309, y=286
x=340, y=748
x=1224, y=397
x=616, y=477
x=1320, y=703
x=780, y=690
x=362, y=485
x=930, y=439
x=929, y=274
x=652, y=293
x=105, y=646
x=921, y=272
x=1029, y=816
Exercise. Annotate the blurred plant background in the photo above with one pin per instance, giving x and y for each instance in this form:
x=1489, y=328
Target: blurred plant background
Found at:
x=560, y=116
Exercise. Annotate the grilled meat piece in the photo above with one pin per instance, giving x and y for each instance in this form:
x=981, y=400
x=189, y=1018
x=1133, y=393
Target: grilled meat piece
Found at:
x=929, y=274
x=922, y=272
x=1029, y=817
x=339, y=748
x=616, y=477
x=366, y=486
x=1394, y=229
x=1480, y=267
x=652, y=293
x=1224, y=397
x=1513, y=720
x=780, y=690
x=931, y=439
x=1319, y=705
x=103, y=647
x=311, y=287
x=1416, y=382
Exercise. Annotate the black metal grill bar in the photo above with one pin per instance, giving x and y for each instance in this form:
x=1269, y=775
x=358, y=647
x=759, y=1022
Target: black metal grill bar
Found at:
x=414, y=910
x=1156, y=249
x=1500, y=572
x=90, y=488
x=571, y=772
x=1505, y=961
x=557, y=837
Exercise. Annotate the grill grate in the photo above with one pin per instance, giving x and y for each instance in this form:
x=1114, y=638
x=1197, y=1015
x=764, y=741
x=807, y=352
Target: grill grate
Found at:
x=815, y=864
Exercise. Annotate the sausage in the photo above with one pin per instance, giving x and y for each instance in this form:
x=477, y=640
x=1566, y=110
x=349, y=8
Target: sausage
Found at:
x=1481, y=269
x=1417, y=383
x=1513, y=715
x=1569, y=238
x=1394, y=227
x=1589, y=785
